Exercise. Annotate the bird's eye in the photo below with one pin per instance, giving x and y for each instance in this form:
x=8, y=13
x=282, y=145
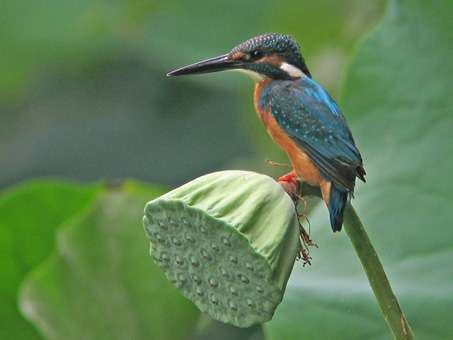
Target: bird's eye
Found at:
x=256, y=55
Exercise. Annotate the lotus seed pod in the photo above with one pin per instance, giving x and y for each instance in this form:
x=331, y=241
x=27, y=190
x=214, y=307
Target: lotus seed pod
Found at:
x=228, y=242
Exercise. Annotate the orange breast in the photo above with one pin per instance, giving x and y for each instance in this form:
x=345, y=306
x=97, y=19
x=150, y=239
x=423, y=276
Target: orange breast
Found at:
x=303, y=166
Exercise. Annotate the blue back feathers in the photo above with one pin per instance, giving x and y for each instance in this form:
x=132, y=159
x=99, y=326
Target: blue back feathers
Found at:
x=319, y=94
x=306, y=112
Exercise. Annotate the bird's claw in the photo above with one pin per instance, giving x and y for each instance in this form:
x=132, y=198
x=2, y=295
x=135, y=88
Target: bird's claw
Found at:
x=290, y=177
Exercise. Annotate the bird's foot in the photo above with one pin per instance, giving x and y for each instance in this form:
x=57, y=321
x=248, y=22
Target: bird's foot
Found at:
x=290, y=185
x=290, y=177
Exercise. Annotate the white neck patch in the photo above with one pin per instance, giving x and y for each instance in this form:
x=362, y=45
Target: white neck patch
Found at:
x=292, y=70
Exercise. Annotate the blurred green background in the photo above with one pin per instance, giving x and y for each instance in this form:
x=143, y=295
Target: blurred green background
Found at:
x=84, y=97
x=84, y=94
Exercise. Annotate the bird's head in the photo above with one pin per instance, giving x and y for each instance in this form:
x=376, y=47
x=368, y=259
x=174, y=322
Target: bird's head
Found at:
x=274, y=56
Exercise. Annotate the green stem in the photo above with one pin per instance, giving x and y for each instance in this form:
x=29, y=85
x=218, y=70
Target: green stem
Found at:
x=373, y=268
x=376, y=276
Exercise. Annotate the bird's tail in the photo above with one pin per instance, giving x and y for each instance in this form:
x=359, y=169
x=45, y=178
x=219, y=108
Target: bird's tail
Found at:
x=339, y=197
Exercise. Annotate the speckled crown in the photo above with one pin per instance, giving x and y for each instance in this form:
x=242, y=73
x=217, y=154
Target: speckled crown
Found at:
x=278, y=44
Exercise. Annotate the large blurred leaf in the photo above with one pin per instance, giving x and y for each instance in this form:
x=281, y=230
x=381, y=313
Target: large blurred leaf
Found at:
x=399, y=89
x=29, y=215
x=101, y=283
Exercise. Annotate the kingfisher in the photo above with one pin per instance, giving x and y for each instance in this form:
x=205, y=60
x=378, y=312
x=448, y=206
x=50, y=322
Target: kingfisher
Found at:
x=300, y=116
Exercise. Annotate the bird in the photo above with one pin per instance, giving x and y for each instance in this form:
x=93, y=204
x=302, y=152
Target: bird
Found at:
x=300, y=116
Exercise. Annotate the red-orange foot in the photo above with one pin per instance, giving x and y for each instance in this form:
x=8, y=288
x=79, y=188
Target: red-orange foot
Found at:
x=291, y=177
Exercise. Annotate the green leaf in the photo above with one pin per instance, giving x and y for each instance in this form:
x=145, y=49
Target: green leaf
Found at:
x=101, y=283
x=29, y=215
x=399, y=92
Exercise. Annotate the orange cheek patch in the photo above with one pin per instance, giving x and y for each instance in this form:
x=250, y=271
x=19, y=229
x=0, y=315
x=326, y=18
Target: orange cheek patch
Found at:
x=238, y=55
x=273, y=60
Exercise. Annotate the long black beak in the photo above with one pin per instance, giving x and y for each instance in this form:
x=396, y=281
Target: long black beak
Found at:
x=207, y=66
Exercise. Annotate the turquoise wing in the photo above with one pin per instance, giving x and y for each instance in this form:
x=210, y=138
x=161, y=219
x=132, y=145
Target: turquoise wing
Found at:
x=305, y=111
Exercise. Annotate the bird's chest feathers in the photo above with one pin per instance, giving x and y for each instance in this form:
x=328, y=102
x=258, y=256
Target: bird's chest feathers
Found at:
x=303, y=166
x=261, y=98
x=264, y=113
